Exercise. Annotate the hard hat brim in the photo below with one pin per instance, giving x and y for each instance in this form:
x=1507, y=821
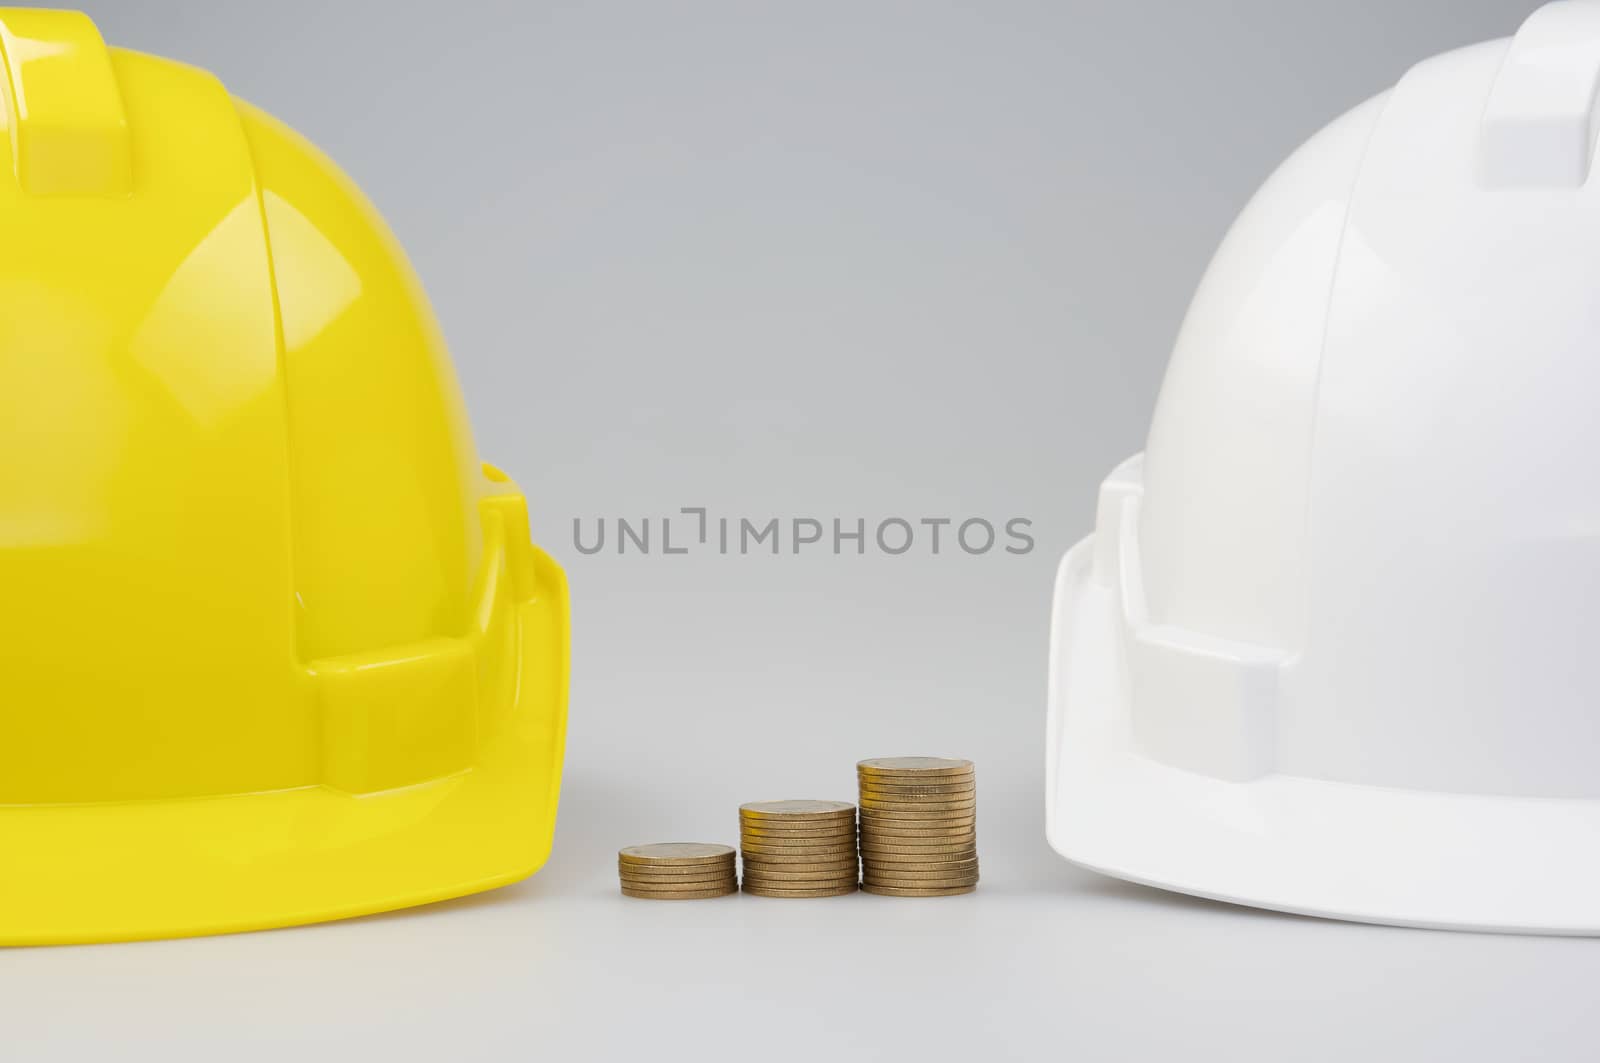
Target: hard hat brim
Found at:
x=156, y=869
x=1292, y=844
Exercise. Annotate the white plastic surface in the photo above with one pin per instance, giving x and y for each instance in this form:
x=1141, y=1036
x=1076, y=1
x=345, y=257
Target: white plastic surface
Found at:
x=1334, y=646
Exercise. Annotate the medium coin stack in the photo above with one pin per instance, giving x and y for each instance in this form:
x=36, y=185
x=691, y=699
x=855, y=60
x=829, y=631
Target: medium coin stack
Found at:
x=798, y=848
x=918, y=826
x=677, y=871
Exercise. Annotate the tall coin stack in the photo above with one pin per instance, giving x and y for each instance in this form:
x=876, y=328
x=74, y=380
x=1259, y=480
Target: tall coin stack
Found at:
x=798, y=848
x=677, y=871
x=919, y=833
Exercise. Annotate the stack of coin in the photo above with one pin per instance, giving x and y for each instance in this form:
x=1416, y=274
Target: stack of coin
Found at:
x=918, y=826
x=798, y=848
x=677, y=871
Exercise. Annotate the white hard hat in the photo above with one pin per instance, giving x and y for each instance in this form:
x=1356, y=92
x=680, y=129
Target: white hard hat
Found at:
x=1334, y=645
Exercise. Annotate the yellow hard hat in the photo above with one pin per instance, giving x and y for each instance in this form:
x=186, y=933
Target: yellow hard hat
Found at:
x=274, y=645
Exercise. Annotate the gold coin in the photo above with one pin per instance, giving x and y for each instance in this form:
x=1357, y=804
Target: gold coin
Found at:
x=942, y=861
x=830, y=891
x=919, y=786
x=898, y=782
x=941, y=842
x=921, y=878
x=843, y=822
x=669, y=878
x=914, y=801
x=949, y=841
x=886, y=804
x=679, y=895
x=796, y=810
x=776, y=842
x=815, y=883
x=874, y=778
x=868, y=788
x=841, y=875
x=718, y=868
x=894, y=782
x=886, y=793
x=800, y=850
x=966, y=834
x=836, y=852
x=837, y=824
x=870, y=829
x=678, y=887
x=841, y=838
x=887, y=854
x=801, y=871
x=953, y=884
x=956, y=862
x=970, y=864
x=779, y=856
x=676, y=870
x=899, y=891
x=971, y=822
x=900, y=830
x=749, y=830
x=696, y=882
x=916, y=767
x=966, y=837
x=721, y=867
x=675, y=853
x=797, y=865
x=682, y=882
x=912, y=796
x=931, y=816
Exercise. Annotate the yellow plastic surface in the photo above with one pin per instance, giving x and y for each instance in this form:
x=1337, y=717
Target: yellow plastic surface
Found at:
x=63, y=112
x=274, y=645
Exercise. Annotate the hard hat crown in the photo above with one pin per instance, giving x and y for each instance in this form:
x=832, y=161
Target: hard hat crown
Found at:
x=1373, y=452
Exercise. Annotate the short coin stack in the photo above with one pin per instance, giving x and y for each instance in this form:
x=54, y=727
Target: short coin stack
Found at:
x=677, y=871
x=798, y=848
x=918, y=826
